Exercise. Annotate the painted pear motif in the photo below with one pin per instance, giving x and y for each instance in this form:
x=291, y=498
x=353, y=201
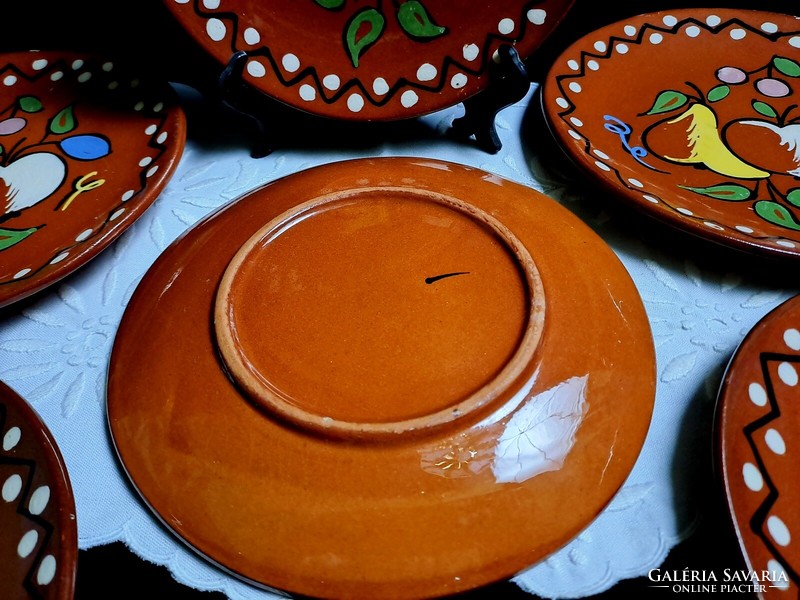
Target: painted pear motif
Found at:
x=693, y=137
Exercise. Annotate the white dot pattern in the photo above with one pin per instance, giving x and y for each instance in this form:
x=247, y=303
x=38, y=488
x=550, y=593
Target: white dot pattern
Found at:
x=778, y=531
x=11, y=488
x=27, y=543
x=426, y=72
x=380, y=86
x=780, y=578
x=47, y=570
x=470, y=52
x=758, y=394
x=752, y=477
x=11, y=438
x=791, y=337
x=537, y=16
x=39, y=500
x=290, y=62
x=307, y=92
x=216, y=30
x=458, y=80
x=787, y=374
x=331, y=82
x=505, y=26
x=355, y=102
x=255, y=68
x=775, y=442
x=251, y=36
x=409, y=98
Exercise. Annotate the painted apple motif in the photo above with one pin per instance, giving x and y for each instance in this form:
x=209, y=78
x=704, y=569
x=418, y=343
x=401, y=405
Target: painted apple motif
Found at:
x=766, y=145
x=29, y=180
x=693, y=137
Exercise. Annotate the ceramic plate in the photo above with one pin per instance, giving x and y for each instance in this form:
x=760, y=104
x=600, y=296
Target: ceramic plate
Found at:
x=692, y=116
x=85, y=148
x=757, y=428
x=38, y=533
x=382, y=378
x=367, y=61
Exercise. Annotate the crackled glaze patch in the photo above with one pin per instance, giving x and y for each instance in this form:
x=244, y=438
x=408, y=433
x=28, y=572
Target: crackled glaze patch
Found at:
x=763, y=78
x=352, y=42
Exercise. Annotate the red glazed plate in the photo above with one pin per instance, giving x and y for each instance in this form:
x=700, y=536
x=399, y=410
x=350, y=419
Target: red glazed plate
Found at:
x=388, y=378
x=38, y=533
x=757, y=422
x=367, y=60
x=691, y=116
x=85, y=147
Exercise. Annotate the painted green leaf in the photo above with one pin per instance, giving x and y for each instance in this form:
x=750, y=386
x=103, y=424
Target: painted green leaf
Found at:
x=359, y=42
x=10, y=237
x=718, y=93
x=727, y=191
x=764, y=109
x=776, y=214
x=30, y=104
x=666, y=101
x=330, y=4
x=416, y=22
x=787, y=66
x=794, y=196
x=63, y=122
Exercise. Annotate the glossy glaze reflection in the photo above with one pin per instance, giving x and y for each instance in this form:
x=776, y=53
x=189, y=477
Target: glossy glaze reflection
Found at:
x=444, y=510
x=691, y=116
x=757, y=432
x=368, y=61
x=38, y=527
x=86, y=145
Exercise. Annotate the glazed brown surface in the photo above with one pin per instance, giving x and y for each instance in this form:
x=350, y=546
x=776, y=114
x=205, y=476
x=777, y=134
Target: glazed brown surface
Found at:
x=38, y=528
x=689, y=115
x=86, y=145
x=368, y=63
x=425, y=515
x=756, y=429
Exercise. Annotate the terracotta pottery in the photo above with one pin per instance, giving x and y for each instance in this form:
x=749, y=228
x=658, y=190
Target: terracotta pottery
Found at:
x=388, y=378
x=85, y=147
x=367, y=61
x=691, y=116
x=757, y=423
x=38, y=532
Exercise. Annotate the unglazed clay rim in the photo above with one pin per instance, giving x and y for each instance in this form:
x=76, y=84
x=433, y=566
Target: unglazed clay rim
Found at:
x=259, y=389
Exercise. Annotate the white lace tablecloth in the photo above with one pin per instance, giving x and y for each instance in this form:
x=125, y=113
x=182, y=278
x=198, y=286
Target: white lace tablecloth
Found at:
x=55, y=352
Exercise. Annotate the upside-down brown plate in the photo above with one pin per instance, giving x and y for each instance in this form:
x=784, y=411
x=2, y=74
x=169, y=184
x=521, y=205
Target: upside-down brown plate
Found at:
x=388, y=378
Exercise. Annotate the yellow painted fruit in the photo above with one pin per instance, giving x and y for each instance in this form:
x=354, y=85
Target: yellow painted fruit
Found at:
x=693, y=137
